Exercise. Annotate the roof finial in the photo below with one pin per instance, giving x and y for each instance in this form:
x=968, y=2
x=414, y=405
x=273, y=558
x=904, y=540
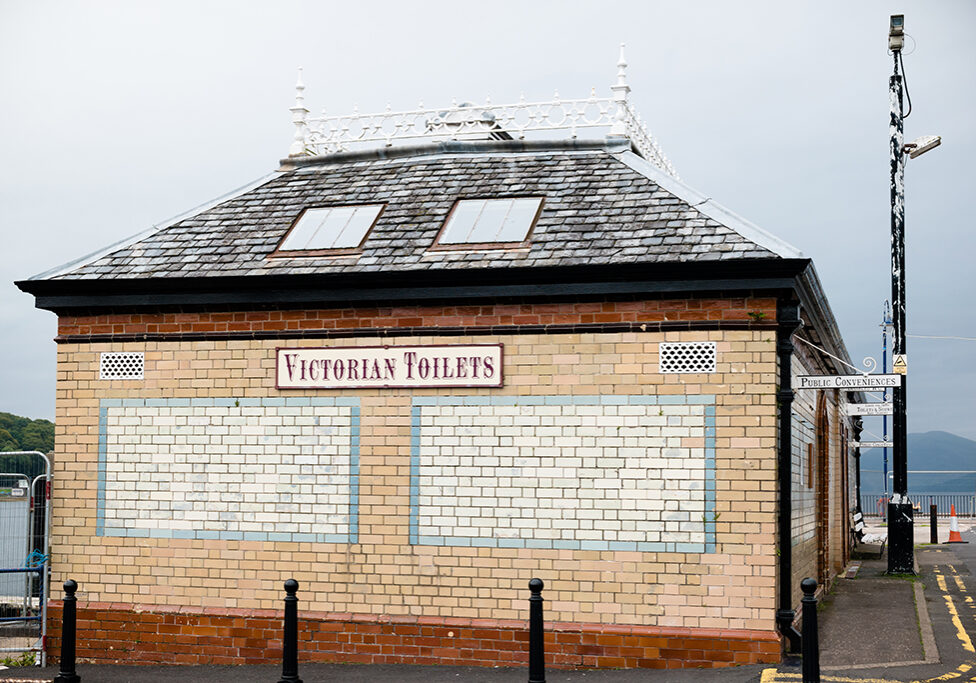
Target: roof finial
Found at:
x=298, y=114
x=621, y=89
x=620, y=92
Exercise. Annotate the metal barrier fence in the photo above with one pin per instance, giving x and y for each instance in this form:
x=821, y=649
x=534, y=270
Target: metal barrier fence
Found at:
x=25, y=513
x=874, y=505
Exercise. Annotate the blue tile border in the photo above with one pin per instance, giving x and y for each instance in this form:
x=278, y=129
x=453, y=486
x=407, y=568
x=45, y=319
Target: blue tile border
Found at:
x=352, y=537
x=353, y=514
x=707, y=400
x=230, y=402
x=414, y=522
x=710, y=477
x=102, y=467
x=201, y=534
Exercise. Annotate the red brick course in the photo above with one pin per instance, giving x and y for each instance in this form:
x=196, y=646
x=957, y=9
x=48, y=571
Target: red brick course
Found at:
x=745, y=309
x=144, y=634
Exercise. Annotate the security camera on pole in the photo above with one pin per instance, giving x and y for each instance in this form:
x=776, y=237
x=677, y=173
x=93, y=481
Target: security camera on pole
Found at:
x=901, y=533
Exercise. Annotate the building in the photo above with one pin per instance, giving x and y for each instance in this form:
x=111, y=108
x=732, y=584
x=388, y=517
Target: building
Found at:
x=414, y=376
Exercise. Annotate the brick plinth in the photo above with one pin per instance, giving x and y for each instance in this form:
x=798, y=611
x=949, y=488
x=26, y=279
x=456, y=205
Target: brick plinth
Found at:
x=111, y=632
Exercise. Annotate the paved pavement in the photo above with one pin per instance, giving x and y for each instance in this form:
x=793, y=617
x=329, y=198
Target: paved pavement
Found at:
x=383, y=673
x=874, y=628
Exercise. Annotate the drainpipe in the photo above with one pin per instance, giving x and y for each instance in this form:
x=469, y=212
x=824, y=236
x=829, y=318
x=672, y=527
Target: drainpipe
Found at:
x=787, y=322
x=858, y=426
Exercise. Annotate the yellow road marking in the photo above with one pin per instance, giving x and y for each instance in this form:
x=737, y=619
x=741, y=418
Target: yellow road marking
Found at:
x=960, y=670
x=956, y=621
x=845, y=679
x=960, y=631
x=772, y=676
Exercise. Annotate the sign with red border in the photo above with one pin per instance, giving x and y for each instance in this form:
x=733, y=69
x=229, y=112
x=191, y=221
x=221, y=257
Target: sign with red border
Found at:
x=387, y=367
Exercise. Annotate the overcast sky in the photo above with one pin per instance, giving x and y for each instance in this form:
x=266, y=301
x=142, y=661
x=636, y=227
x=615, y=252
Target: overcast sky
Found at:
x=115, y=116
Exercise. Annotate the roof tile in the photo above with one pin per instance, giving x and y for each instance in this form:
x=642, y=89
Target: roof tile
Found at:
x=597, y=210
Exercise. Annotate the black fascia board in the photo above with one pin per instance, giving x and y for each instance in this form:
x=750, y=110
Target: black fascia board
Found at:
x=88, y=296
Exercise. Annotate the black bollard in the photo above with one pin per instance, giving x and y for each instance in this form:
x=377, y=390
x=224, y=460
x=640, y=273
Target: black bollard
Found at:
x=537, y=652
x=289, y=650
x=934, y=524
x=811, y=644
x=67, y=674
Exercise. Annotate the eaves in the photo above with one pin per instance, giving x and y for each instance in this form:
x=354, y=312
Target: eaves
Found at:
x=776, y=277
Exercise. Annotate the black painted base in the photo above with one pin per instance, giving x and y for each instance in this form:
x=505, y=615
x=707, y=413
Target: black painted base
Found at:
x=901, y=538
x=784, y=621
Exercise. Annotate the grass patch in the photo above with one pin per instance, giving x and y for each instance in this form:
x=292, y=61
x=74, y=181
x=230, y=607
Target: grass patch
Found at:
x=912, y=578
x=25, y=659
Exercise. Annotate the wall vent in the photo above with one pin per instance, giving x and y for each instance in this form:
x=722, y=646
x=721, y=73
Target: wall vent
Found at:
x=127, y=365
x=678, y=357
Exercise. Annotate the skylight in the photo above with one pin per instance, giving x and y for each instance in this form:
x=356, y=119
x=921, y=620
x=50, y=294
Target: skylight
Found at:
x=491, y=221
x=329, y=228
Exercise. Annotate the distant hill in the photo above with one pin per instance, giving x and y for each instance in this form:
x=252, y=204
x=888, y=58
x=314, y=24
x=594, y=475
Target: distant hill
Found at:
x=24, y=434
x=926, y=451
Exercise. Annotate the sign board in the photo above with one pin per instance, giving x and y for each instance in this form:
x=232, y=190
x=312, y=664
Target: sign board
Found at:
x=364, y=367
x=900, y=364
x=868, y=409
x=848, y=382
x=872, y=444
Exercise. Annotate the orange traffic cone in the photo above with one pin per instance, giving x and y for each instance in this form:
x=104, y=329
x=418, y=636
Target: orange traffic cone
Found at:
x=954, y=536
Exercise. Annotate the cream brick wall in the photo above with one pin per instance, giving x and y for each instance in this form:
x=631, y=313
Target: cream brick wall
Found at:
x=579, y=472
x=729, y=585
x=807, y=494
x=234, y=469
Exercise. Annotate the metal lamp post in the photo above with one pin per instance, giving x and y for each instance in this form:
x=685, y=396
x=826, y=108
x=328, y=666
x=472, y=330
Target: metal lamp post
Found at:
x=901, y=534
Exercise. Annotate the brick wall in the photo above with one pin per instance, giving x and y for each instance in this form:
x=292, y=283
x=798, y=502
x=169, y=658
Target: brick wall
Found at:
x=747, y=309
x=206, y=468
x=807, y=492
x=110, y=633
x=716, y=571
x=590, y=473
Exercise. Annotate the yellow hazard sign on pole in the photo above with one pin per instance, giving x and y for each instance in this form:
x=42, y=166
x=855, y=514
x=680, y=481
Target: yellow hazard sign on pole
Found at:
x=900, y=364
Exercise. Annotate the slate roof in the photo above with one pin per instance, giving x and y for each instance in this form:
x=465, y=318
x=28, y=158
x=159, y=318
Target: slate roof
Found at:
x=603, y=205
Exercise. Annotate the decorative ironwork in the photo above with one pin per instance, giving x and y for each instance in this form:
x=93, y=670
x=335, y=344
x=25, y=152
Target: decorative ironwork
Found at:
x=324, y=134
x=870, y=364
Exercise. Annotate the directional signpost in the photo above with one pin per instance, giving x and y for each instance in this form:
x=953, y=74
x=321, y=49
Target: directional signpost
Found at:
x=871, y=444
x=848, y=382
x=868, y=409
